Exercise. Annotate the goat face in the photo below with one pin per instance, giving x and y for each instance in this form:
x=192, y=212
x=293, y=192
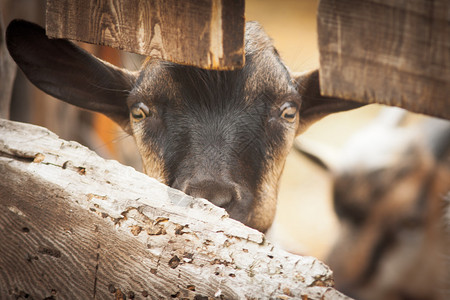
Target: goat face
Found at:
x=219, y=135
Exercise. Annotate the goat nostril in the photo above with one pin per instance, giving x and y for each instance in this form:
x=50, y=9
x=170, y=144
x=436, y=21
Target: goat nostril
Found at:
x=219, y=194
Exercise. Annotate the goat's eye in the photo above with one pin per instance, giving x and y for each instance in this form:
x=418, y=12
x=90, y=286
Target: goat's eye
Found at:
x=289, y=111
x=139, y=111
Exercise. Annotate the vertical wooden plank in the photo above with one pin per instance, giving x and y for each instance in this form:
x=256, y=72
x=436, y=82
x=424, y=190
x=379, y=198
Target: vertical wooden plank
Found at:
x=204, y=33
x=392, y=52
x=7, y=74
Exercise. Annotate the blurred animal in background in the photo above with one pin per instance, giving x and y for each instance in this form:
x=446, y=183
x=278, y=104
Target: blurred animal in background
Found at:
x=219, y=135
x=389, y=194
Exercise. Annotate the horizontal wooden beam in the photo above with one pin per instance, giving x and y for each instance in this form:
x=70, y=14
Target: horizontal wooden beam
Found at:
x=391, y=52
x=204, y=33
x=76, y=226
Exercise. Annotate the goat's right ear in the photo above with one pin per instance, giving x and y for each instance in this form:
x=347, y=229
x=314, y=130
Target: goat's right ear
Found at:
x=315, y=106
x=67, y=72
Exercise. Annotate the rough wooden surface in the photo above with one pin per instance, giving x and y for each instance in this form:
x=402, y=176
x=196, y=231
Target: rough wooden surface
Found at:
x=77, y=226
x=204, y=33
x=392, y=52
x=7, y=73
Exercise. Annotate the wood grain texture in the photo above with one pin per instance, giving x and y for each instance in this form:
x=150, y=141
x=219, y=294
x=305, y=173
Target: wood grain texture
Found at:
x=76, y=226
x=203, y=33
x=389, y=52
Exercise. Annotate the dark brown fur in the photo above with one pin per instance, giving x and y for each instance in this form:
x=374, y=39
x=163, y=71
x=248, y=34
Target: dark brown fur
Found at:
x=220, y=135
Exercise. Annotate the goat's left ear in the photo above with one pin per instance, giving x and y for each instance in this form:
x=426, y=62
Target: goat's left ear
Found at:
x=67, y=72
x=315, y=106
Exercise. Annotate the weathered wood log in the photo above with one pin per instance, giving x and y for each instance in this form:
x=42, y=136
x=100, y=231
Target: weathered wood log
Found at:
x=391, y=52
x=7, y=73
x=204, y=33
x=76, y=226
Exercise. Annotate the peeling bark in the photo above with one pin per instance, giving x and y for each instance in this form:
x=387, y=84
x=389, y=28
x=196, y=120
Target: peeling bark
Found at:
x=76, y=226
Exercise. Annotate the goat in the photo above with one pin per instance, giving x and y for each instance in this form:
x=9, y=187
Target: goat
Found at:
x=218, y=135
x=389, y=188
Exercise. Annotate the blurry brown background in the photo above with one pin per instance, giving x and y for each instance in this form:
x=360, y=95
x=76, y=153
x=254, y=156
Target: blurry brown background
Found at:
x=305, y=222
